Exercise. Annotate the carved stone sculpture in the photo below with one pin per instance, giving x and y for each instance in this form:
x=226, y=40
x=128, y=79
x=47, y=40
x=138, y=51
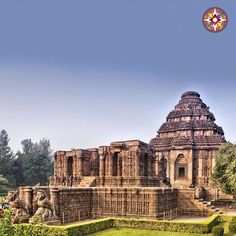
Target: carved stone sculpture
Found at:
x=45, y=208
x=19, y=209
x=198, y=192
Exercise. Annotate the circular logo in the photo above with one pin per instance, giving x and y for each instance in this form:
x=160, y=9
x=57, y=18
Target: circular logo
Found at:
x=215, y=19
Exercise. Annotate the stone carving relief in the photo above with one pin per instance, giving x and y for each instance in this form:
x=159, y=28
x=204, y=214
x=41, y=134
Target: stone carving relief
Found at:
x=45, y=208
x=18, y=207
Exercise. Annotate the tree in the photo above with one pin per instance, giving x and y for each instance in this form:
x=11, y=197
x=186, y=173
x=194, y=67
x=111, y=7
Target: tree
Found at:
x=3, y=184
x=34, y=162
x=224, y=173
x=6, y=157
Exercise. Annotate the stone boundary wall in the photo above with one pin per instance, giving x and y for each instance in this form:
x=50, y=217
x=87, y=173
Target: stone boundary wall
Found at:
x=132, y=202
x=76, y=204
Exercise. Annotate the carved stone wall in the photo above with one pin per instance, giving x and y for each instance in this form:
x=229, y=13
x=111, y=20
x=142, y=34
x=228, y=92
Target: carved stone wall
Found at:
x=189, y=131
x=76, y=204
x=126, y=163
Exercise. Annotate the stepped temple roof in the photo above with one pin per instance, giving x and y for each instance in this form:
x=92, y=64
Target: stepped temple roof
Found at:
x=189, y=123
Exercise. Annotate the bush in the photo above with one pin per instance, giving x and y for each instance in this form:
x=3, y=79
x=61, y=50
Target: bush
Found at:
x=233, y=219
x=38, y=227
x=217, y=231
x=6, y=228
x=201, y=228
x=232, y=226
x=87, y=227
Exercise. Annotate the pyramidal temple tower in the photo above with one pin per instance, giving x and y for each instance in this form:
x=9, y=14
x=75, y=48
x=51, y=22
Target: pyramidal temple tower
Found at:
x=187, y=143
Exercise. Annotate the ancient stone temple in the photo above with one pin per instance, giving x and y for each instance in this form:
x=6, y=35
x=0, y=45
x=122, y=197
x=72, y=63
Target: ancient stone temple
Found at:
x=159, y=180
x=183, y=152
x=187, y=142
x=126, y=163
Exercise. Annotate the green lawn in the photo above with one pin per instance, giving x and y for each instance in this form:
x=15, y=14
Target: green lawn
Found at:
x=139, y=232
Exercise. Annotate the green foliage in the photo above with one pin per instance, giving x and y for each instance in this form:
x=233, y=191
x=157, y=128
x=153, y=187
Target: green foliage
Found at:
x=6, y=227
x=6, y=155
x=31, y=166
x=232, y=226
x=38, y=227
x=6, y=158
x=36, y=220
x=225, y=218
x=89, y=227
x=3, y=181
x=217, y=231
x=34, y=163
x=224, y=173
x=204, y=227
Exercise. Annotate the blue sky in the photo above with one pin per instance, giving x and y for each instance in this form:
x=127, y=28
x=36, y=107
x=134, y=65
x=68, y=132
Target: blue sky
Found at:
x=86, y=73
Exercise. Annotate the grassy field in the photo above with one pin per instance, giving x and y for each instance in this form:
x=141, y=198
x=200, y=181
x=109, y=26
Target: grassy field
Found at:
x=139, y=232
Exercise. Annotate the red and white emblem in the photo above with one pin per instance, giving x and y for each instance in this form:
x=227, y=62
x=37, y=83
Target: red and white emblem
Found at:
x=215, y=19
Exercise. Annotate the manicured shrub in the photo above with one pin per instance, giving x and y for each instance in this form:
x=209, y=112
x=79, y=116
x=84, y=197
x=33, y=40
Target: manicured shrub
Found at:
x=89, y=227
x=232, y=226
x=38, y=227
x=201, y=228
x=233, y=219
x=217, y=231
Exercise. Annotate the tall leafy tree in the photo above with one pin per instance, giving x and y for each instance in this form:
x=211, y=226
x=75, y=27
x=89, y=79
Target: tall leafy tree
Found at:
x=224, y=173
x=6, y=156
x=35, y=162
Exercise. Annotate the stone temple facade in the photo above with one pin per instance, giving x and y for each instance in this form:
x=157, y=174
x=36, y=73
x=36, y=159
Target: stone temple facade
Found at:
x=182, y=152
x=187, y=143
x=159, y=180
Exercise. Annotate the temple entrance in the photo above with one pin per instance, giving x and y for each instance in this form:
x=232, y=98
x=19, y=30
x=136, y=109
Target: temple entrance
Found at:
x=181, y=172
x=115, y=164
x=181, y=167
x=70, y=166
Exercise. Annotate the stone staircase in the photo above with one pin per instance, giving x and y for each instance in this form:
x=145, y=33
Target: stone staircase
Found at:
x=210, y=206
x=88, y=181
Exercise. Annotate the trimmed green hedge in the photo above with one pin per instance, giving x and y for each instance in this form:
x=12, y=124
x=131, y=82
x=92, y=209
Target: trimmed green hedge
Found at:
x=78, y=229
x=225, y=218
x=232, y=226
x=90, y=227
x=188, y=227
x=218, y=231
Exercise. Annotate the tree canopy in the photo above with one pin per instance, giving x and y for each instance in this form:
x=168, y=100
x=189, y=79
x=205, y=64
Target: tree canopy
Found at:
x=30, y=166
x=224, y=173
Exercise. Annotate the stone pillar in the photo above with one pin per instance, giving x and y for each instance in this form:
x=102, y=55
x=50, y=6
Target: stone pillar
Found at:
x=137, y=164
x=168, y=169
x=101, y=166
x=190, y=166
x=110, y=161
x=54, y=199
x=156, y=168
x=80, y=166
x=75, y=170
x=29, y=198
x=60, y=166
x=149, y=167
x=172, y=171
x=65, y=166
x=200, y=170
